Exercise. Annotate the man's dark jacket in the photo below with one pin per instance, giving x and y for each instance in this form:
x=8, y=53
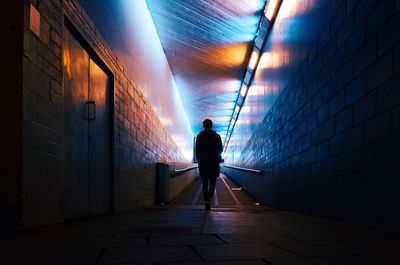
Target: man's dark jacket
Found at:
x=208, y=153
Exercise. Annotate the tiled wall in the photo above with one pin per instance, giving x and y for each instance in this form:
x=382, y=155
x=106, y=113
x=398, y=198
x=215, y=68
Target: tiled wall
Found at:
x=140, y=139
x=329, y=146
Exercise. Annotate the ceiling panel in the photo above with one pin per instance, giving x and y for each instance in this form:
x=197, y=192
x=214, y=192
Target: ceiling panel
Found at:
x=206, y=43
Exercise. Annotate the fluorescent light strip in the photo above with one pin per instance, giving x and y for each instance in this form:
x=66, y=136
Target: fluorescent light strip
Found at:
x=237, y=109
x=243, y=90
x=254, y=59
x=270, y=12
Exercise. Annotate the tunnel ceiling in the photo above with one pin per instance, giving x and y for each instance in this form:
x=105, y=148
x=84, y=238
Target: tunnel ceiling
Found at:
x=206, y=43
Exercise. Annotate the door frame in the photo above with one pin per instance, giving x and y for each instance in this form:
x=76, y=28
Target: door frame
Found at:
x=93, y=55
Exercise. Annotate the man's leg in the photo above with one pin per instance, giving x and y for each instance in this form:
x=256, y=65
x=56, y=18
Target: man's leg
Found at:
x=206, y=194
x=213, y=180
x=205, y=189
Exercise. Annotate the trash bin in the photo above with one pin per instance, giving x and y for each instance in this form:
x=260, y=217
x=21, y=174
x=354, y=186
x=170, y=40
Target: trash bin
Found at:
x=162, y=183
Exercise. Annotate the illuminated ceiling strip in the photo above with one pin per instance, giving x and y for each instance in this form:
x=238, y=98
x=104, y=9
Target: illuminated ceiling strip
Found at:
x=270, y=13
x=243, y=90
x=271, y=8
x=254, y=59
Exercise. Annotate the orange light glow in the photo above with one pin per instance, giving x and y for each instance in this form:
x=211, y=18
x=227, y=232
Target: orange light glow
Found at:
x=243, y=90
x=166, y=122
x=272, y=60
x=271, y=9
x=34, y=20
x=296, y=8
x=256, y=90
x=226, y=56
x=253, y=60
x=67, y=62
x=262, y=90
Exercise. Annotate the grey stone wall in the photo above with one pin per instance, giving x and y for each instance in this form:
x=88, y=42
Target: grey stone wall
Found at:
x=330, y=144
x=140, y=140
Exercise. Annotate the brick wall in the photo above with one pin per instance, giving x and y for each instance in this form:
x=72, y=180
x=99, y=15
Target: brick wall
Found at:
x=140, y=140
x=11, y=114
x=330, y=144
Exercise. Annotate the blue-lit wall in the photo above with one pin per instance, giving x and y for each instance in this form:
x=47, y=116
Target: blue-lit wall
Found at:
x=321, y=119
x=128, y=28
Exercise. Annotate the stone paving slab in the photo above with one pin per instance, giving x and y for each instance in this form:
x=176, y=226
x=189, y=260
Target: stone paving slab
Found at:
x=319, y=261
x=185, y=240
x=108, y=242
x=240, y=252
x=86, y=255
x=323, y=248
x=38, y=243
x=177, y=222
x=229, y=221
x=127, y=242
x=158, y=231
x=199, y=237
x=384, y=259
x=256, y=238
x=388, y=247
x=238, y=230
x=244, y=262
x=151, y=254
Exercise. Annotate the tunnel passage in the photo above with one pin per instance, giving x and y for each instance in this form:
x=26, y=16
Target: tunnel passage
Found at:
x=227, y=195
x=307, y=93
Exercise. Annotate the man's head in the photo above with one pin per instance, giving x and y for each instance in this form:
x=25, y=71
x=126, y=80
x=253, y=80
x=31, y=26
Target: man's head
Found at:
x=207, y=124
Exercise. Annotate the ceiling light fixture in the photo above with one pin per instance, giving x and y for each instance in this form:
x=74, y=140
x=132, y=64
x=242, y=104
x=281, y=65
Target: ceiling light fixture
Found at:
x=265, y=24
x=270, y=10
x=254, y=59
x=243, y=90
x=237, y=108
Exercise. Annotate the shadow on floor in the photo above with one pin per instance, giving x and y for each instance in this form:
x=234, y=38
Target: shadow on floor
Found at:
x=186, y=234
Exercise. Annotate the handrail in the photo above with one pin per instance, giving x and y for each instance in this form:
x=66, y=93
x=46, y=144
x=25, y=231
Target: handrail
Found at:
x=244, y=169
x=181, y=171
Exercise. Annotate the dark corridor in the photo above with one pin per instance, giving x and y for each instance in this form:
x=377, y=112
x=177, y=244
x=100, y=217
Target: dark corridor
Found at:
x=101, y=101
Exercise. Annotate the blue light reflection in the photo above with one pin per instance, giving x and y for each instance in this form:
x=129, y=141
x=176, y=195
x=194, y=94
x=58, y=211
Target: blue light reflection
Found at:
x=296, y=28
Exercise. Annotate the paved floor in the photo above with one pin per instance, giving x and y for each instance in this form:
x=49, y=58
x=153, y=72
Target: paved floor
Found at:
x=235, y=232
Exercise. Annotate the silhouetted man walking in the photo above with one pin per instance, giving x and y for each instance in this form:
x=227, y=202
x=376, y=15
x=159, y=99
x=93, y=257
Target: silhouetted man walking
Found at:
x=208, y=153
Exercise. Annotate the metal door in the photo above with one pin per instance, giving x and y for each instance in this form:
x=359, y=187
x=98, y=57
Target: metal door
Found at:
x=98, y=141
x=86, y=132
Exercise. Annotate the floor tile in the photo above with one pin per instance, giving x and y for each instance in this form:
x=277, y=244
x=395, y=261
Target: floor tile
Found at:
x=151, y=254
x=318, y=261
x=240, y=251
x=384, y=259
x=242, y=262
x=185, y=240
x=322, y=248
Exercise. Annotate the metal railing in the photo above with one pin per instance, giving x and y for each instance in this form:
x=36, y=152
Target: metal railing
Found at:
x=245, y=169
x=177, y=172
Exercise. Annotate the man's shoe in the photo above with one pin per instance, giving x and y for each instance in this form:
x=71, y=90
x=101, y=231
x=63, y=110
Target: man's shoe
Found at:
x=208, y=206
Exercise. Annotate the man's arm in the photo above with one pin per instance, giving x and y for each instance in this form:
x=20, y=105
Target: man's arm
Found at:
x=198, y=148
x=219, y=147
